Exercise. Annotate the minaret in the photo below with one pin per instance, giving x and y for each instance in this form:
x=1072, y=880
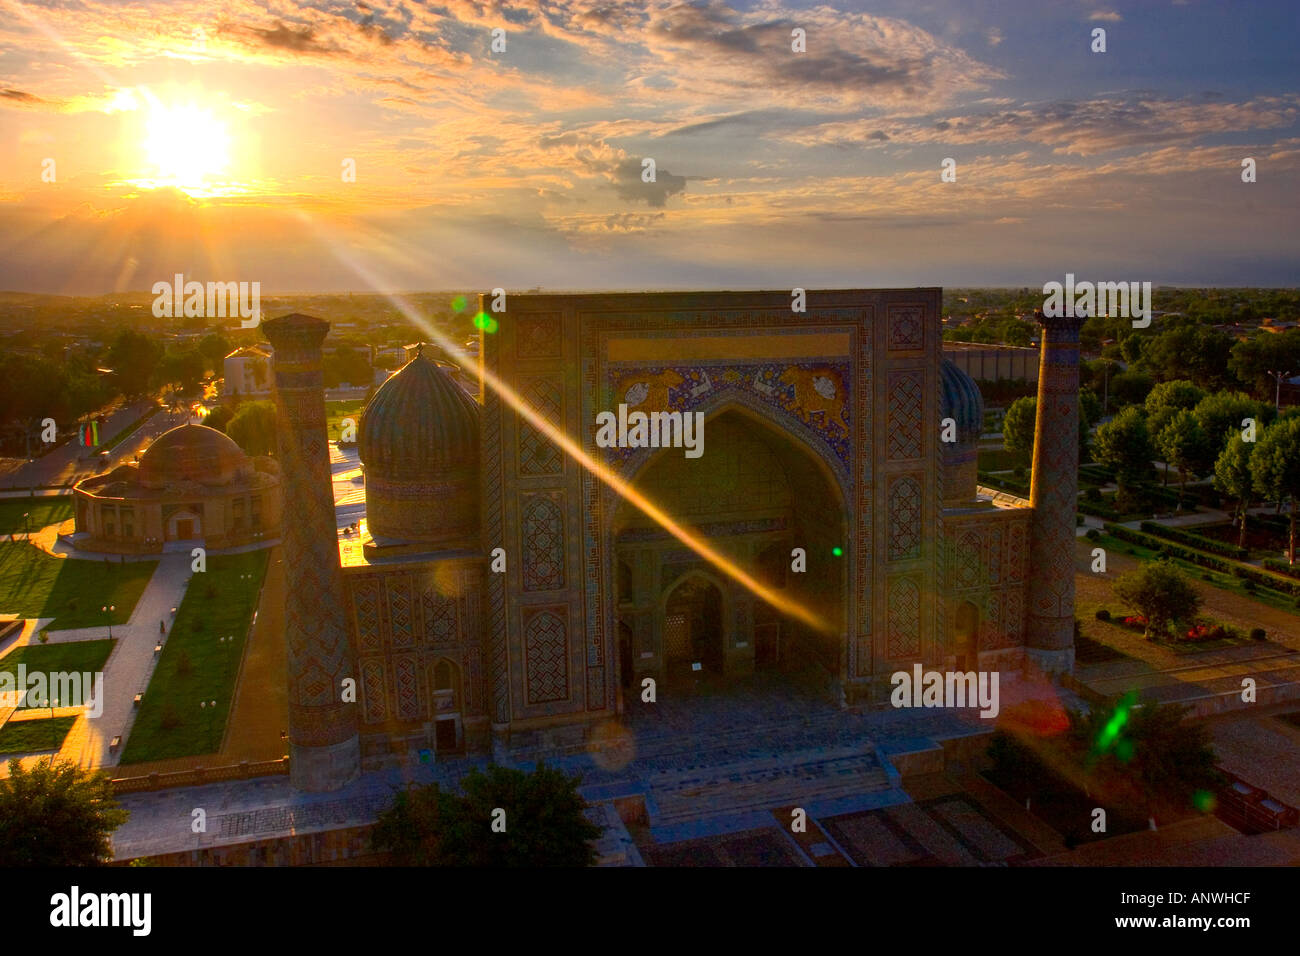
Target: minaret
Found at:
x=1053, y=497
x=324, y=750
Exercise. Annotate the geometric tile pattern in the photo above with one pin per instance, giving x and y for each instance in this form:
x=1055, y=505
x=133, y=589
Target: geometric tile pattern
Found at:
x=372, y=691
x=365, y=598
x=904, y=635
x=538, y=455
x=906, y=400
x=968, y=560
x=904, y=504
x=906, y=330
x=408, y=689
x=539, y=336
x=543, y=543
x=439, y=618
x=399, y=609
x=546, y=653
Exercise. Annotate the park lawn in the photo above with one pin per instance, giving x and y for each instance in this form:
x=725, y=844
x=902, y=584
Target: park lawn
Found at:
x=70, y=590
x=42, y=513
x=999, y=459
x=1227, y=582
x=34, y=736
x=72, y=657
x=335, y=412
x=195, y=666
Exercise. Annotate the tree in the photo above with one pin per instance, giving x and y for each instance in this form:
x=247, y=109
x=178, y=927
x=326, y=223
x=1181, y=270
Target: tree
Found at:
x=1018, y=427
x=1161, y=593
x=544, y=822
x=1222, y=413
x=219, y=418
x=56, y=815
x=1184, y=445
x=253, y=428
x=1252, y=359
x=1131, y=387
x=1275, y=466
x=133, y=357
x=1189, y=352
x=1124, y=444
x=1167, y=399
x=214, y=347
x=181, y=369
x=1233, y=477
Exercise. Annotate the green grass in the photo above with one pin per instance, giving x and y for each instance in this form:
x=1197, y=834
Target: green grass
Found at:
x=74, y=656
x=34, y=736
x=129, y=430
x=999, y=459
x=195, y=666
x=42, y=512
x=70, y=590
x=335, y=412
x=1227, y=582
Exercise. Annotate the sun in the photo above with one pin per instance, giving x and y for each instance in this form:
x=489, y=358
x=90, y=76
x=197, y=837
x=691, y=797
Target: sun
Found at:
x=187, y=146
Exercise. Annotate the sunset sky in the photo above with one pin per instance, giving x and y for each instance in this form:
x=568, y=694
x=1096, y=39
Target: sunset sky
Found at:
x=209, y=138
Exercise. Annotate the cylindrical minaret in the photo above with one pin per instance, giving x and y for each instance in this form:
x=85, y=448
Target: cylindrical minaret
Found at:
x=324, y=750
x=1053, y=497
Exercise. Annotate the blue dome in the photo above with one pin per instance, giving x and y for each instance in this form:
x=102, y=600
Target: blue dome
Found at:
x=962, y=401
x=419, y=423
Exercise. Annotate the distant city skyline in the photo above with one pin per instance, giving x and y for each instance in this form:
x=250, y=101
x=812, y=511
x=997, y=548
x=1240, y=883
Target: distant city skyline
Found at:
x=215, y=141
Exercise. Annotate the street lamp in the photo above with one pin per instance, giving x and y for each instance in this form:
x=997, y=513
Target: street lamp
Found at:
x=27, y=528
x=1277, y=402
x=108, y=610
x=211, y=707
x=54, y=741
x=228, y=645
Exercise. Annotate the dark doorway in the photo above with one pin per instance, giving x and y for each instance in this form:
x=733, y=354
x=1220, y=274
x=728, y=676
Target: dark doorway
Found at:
x=693, y=633
x=184, y=529
x=444, y=739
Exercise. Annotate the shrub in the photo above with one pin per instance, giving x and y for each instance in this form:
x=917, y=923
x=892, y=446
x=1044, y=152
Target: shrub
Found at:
x=1103, y=614
x=170, y=719
x=1093, y=534
x=1093, y=493
x=1200, y=542
x=1257, y=634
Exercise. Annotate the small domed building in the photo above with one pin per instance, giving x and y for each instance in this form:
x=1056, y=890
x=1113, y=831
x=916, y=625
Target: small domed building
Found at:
x=193, y=484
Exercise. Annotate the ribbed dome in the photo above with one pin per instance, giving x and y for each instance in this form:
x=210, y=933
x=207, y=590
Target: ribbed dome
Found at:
x=962, y=401
x=419, y=423
x=192, y=453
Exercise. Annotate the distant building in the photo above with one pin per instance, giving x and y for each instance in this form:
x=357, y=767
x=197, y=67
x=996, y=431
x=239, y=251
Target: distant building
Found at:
x=248, y=372
x=988, y=363
x=192, y=484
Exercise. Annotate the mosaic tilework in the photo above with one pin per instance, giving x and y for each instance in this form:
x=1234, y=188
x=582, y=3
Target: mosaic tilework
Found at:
x=538, y=455
x=906, y=401
x=906, y=327
x=904, y=519
x=543, y=543
x=546, y=655
x=539, y=335
x=904, y=619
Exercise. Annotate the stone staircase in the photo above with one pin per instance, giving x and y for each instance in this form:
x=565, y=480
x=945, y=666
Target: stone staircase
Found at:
x=787, y=779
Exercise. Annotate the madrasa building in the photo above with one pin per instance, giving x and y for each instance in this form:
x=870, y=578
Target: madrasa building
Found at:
x=505, y=592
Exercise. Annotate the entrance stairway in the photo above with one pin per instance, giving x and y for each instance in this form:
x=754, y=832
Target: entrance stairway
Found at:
x=798, y=778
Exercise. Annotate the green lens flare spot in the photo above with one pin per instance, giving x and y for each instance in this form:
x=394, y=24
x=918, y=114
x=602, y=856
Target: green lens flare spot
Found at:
x=1204, y=801
x=485, y=322
x=838, y=552
x=458, y=304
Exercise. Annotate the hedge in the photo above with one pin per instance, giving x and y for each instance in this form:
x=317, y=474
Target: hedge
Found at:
x=1281, y=567
x=1243, y=571
x=1194, y=540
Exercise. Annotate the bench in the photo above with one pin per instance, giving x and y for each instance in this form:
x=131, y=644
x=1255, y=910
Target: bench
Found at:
x=115, y=743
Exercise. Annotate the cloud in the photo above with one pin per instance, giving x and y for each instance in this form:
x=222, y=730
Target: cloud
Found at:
x=1107, y=16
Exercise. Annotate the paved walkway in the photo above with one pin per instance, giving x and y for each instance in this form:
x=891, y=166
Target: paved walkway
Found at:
x=129, y=666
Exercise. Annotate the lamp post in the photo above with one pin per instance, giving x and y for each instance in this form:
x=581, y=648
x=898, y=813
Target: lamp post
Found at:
x=228, y=645
x=1277, y=401
x=27, y=528
x=54, y=742
x=211, y=707
x=108, y=610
